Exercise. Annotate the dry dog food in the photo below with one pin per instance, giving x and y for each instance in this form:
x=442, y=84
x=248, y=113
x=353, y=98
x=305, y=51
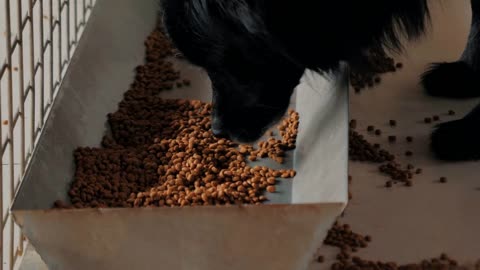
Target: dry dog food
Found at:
x=185, y=165
x=349, y=242
x=378, y=63
x=162, y=152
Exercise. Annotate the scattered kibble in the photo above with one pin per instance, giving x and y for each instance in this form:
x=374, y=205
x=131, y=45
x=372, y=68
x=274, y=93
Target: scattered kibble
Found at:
x=353, y=123
x=320, y=259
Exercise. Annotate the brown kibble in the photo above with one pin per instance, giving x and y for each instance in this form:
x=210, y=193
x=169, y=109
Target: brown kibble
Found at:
x=408, y=183
x=436, y=118
x=399, y=65
x=162, y=153
x=418, y=171
x=378, y=132
x=5, y=122
x=392, y=138
x=320, y=259
x=353, y=124
x=427, y=120
x=370, y=128
x=443, y=179
x=451, y=112
x=271, y=180
x=409, y=153
x=409, y=139
x=389, y=184
x=393, y=123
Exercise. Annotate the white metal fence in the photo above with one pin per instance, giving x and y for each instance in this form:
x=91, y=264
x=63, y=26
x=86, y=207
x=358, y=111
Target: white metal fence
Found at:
x=37, y=40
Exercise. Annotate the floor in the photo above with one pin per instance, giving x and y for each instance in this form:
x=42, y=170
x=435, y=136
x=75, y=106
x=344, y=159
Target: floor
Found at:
x=409, y=224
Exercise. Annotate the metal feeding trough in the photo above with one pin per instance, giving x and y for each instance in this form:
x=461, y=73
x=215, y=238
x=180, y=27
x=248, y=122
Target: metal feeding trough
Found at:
x=283, y=234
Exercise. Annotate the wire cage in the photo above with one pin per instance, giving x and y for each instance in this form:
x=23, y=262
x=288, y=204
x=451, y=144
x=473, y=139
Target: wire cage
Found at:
x=37, y=41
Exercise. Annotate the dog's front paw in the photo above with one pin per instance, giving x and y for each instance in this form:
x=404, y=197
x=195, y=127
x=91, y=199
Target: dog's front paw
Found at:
x=456, y=141
x=451, y=80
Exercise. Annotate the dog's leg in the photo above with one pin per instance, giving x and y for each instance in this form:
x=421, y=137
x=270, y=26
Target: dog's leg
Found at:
x=460, y=79
x=458, y=140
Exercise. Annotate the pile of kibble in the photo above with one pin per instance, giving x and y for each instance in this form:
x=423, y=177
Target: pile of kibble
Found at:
x=162, y=152
x=377, y=63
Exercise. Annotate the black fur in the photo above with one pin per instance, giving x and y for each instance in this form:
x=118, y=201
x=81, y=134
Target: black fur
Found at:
x=453, y=80
x=458, y=140
x=255, y=51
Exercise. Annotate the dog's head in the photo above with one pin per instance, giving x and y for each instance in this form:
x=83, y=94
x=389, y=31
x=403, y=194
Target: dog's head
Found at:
x=252, y=76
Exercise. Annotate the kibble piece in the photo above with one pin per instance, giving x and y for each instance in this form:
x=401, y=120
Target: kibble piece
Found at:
x=392, y=138
x=353, y=124
x=389, y=184
x=427, y=120
x=378, y=132
x=409, y=139
x=408, y=183
x=378, y=79
x=320, y=259
x=451, y=112
x=399, y=65
x=444, y=257
x=436, y=118
x=418, y=171
x=443, y=179
x=409, y=153
x=370, y=128
x=393, y=123
x=271, y=189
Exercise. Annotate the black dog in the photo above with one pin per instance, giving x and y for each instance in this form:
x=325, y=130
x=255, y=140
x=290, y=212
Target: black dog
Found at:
x=255, y=52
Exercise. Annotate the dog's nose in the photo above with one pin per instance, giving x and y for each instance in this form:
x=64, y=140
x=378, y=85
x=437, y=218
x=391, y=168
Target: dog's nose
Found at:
x=218, y=131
